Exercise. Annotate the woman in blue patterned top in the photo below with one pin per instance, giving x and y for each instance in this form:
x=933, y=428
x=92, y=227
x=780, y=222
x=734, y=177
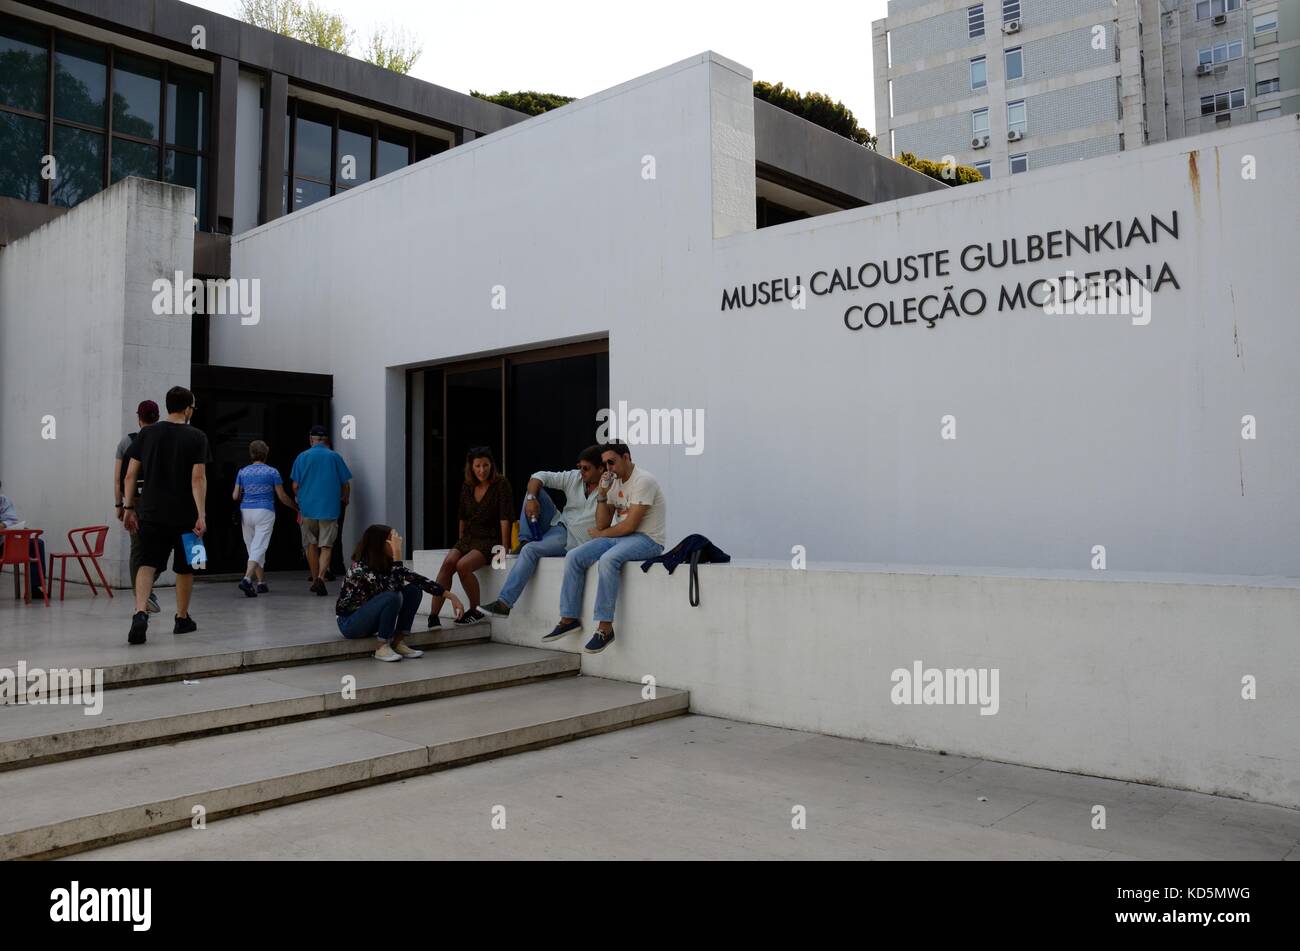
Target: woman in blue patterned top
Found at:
x=381, y=595
x=256, y=489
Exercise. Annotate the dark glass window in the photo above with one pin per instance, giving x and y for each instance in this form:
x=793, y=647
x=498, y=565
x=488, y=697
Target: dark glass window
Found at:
x=80, y=81
x=394, y=151
x=426, y=145
x=133, y=158
x=184, y=168
x=137, y=96
x=307, y=192
x=79, y=165
x=22, y=148
x=24, y=62
x=187, y=110
x=353, y=166
x=313, y=138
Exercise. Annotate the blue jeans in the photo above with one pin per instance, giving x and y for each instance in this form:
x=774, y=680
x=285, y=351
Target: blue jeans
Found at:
x=608, y=554
x=552, y=545
x=383, y=615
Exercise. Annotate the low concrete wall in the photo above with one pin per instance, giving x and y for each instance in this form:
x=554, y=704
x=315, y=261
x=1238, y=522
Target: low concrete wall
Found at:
x=1134, y=677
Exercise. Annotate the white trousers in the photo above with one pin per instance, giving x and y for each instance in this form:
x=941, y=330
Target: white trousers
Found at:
x=257, y=524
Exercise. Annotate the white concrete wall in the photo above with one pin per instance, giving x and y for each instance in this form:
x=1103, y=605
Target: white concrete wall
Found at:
x=1072, y=432
x=1127, y=678
x=248, y=151
x=79, y=342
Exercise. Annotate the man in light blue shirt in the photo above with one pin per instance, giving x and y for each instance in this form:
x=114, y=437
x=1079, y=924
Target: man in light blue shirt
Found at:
x=322, y=482
x=561, y=531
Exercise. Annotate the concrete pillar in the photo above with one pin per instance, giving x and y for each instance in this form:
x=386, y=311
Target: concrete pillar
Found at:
x=274, y=121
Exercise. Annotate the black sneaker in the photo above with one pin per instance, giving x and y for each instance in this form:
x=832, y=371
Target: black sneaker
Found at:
x=185, y=625
x=262, y=588
x=472, y=616
x=246, y=586
x=498, y=607
x=318, y=587
x=562, y=629
x=434, y=621
x=139, y=628
x=599, y=641
x=152, y=605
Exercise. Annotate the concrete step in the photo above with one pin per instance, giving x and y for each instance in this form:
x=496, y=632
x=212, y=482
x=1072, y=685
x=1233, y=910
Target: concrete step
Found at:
x=167, y=657
x=69, y=806
x=166, y=712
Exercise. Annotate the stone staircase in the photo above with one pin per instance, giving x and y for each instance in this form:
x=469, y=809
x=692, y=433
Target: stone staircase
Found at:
x=222, y=732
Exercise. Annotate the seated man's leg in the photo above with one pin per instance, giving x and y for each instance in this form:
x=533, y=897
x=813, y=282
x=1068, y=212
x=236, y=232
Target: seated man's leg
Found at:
x=634, y=547
x=545, y=518
x=576, y=564
x=521, y=572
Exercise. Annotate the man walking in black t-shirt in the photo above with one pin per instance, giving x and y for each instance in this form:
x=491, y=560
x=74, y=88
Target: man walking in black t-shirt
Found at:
x=171, y=457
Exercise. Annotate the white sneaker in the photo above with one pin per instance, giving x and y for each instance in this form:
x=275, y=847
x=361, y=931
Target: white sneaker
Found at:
x=387, y=653
x=408, y=651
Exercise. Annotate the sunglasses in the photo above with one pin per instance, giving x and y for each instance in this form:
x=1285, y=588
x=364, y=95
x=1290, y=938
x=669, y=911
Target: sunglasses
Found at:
x=480, y=451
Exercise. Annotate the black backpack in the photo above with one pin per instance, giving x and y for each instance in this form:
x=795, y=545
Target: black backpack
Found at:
x=695, y=550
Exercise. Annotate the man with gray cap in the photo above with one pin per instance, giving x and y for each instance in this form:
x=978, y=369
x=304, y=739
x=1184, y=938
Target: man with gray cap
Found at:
x=146, y=414
x=322, y=483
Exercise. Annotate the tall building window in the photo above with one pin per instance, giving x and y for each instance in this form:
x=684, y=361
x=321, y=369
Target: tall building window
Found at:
x=1267, y=78
x=153, y=125
x=1019, y=163
x=1220, y=53
x=1272, y=112
x=979, y=122
x=975, y=20
x=1014, y=61
x=979, y=73
x=1017, y=118
x=328, y=152
x=984, y=168
x=1010, y=10
x=1266, y=23
x=1223, y=102
x=1213, y=8
x=24, y=106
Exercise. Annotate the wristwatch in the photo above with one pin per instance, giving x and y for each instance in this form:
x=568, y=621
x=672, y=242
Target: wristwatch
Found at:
x=530, y=497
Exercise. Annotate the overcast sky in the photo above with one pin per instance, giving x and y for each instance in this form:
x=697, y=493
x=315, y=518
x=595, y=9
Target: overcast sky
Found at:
x=577, y=47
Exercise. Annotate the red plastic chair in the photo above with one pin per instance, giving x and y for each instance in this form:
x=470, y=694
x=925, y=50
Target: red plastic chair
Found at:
x=93, y=538
x=16, y=545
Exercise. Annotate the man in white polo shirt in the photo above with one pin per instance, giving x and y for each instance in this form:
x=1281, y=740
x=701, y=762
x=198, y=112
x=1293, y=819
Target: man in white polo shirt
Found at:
x=631, y=519
x=561, y=531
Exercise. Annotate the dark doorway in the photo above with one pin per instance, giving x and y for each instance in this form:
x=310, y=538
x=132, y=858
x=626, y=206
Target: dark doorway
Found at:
x=536, y=410
x=236, y=406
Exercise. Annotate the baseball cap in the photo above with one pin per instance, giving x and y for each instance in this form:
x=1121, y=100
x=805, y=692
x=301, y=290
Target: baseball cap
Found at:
x=148, y=411
x=319, y=431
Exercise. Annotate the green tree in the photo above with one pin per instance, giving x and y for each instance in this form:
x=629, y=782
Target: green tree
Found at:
x=528, y=102
x=321, y=27
x=393, y=49
x=948, y=174
x=816, y=107
x=278, y=16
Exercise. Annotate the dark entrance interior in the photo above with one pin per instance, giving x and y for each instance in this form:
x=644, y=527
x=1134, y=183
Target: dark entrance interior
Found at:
x=536, y=410
x=236, y=406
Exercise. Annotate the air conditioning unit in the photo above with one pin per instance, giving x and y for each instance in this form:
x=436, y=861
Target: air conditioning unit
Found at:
x=1012, y=26
x=1015, y=135
x=1220, y=19
x=979, y=142
x=1204, y=69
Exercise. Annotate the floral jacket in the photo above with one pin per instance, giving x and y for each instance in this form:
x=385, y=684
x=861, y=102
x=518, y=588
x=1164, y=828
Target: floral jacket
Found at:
x=361, y=584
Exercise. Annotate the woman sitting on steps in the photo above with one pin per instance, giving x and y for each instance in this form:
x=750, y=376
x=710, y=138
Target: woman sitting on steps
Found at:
x=381, y=595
